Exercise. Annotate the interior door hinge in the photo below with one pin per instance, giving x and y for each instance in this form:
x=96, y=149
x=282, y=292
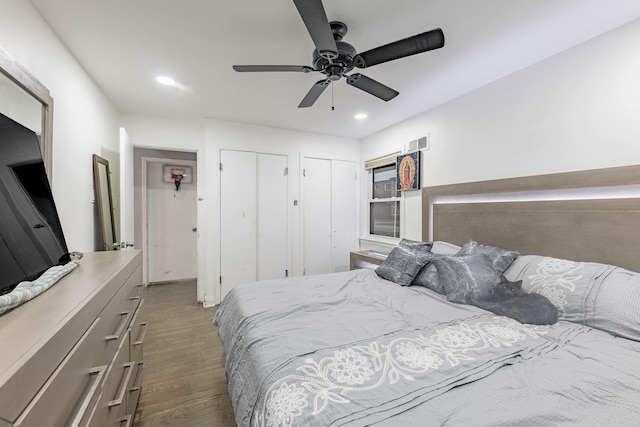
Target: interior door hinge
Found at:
x=304, y=172
x=286, y=273
x=221, y=167
x=221, y=280
x=286, y=171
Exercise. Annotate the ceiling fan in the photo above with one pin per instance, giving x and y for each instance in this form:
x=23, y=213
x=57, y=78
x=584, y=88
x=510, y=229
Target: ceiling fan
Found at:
x=335, y=58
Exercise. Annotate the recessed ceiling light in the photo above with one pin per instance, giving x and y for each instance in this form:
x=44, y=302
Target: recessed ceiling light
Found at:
x=166, y=80
x=360, y=116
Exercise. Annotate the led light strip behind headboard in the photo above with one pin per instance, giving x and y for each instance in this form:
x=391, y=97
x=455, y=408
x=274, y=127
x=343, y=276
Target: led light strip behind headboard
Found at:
x=587, y=215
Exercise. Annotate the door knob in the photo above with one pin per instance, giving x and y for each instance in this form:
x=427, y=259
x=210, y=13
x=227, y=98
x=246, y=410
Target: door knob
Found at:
x=194, y=229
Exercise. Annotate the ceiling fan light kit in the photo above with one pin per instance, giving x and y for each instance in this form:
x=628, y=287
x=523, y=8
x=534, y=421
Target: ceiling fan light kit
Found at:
x=335, y=58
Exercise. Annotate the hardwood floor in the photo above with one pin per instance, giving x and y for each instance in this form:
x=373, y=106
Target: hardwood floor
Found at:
x=184, y=384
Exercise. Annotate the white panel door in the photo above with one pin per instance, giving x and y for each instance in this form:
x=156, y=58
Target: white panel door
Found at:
x=343, y=213
x=272, y=216
x=317, y=216
x=171, y=216
x=238, y=218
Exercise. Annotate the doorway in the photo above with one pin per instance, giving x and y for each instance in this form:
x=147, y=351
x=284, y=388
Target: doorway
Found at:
x=169, y=220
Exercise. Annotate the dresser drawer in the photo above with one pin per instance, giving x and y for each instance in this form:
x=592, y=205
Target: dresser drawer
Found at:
x=70, y=391
x=135, y=295
x=133, y=393
x=111, y=407
x=138, y=332
x=113, y=421
x=87, y=406
x=116, y=319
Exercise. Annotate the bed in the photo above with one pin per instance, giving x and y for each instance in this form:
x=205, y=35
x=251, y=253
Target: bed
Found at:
x=356, y=349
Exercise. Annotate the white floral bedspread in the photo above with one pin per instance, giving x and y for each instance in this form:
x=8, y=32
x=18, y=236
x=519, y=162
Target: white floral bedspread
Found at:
x=319, y=389
x=336, y=349
x=353, y=349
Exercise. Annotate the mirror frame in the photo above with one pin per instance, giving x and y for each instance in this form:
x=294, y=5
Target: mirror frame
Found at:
x=25, y=80
x=99, y=191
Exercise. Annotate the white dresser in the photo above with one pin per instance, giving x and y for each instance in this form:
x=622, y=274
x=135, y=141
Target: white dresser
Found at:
x=72, y=356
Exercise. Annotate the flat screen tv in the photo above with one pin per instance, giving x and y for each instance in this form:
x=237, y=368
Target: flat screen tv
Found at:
x=31, y=238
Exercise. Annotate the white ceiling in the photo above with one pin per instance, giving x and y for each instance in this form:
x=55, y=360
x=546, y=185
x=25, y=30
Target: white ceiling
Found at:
x=125, y=44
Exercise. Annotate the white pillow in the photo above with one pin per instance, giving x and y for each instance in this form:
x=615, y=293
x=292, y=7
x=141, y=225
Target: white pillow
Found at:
x=444, y=248
x=602, y=296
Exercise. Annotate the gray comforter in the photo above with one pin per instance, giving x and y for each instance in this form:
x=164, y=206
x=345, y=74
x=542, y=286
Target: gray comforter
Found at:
x=353, y=349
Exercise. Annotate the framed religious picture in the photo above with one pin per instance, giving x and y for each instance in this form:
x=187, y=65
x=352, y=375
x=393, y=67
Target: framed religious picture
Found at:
x=408, y=171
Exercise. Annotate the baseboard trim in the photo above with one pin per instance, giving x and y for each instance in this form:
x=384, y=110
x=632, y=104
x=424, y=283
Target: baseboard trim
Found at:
x=164, y=282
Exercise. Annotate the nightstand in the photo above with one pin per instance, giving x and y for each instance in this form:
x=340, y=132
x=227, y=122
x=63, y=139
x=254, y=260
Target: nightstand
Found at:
x=366, y=259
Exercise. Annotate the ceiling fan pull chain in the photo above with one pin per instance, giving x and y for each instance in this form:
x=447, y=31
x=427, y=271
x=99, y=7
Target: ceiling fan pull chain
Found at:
x=333, y=108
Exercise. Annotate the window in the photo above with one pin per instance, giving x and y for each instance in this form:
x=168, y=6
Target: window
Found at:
x=384, y=204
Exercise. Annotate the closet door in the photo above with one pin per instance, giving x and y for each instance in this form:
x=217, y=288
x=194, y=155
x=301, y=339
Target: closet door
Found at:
x=317, y=216
x=253, y=217
x=238, y=216
x=329, y=229
x=272, y=216
x=343, y=213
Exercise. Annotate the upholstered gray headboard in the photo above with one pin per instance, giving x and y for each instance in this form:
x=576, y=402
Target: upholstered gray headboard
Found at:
x=591, y=215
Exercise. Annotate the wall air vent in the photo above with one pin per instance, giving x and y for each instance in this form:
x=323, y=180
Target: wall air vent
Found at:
x=423, y=143
x=419, y=144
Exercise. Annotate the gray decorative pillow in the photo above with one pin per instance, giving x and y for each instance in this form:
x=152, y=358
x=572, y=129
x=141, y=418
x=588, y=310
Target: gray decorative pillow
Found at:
x=467, y=277
x=501, y=258
x=428, y=277
x=405, y=261
x=602, y=296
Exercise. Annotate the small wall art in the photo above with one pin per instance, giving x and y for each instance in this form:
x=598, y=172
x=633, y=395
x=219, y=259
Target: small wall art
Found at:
x=408, y=171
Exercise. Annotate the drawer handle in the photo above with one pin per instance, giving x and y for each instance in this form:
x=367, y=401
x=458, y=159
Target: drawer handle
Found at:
x=128, y=420
x=133, y=298
x=97, y=374
x=127, y=378
x=144, y=332
x=139, y=385
x=121, y=326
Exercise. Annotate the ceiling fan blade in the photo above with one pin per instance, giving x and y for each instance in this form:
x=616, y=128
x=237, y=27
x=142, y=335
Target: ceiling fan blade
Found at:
x=371, y=86
x=261, y=68
x=424, y=42
x=314, y=93
x=315, y=19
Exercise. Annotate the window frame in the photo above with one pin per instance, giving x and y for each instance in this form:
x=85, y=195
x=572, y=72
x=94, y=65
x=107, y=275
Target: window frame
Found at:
x=390, y=160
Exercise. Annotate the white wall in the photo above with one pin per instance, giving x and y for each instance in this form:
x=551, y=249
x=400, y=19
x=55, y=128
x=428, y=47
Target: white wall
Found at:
x=84, y=120
x=577, y=110
x=208, y=137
